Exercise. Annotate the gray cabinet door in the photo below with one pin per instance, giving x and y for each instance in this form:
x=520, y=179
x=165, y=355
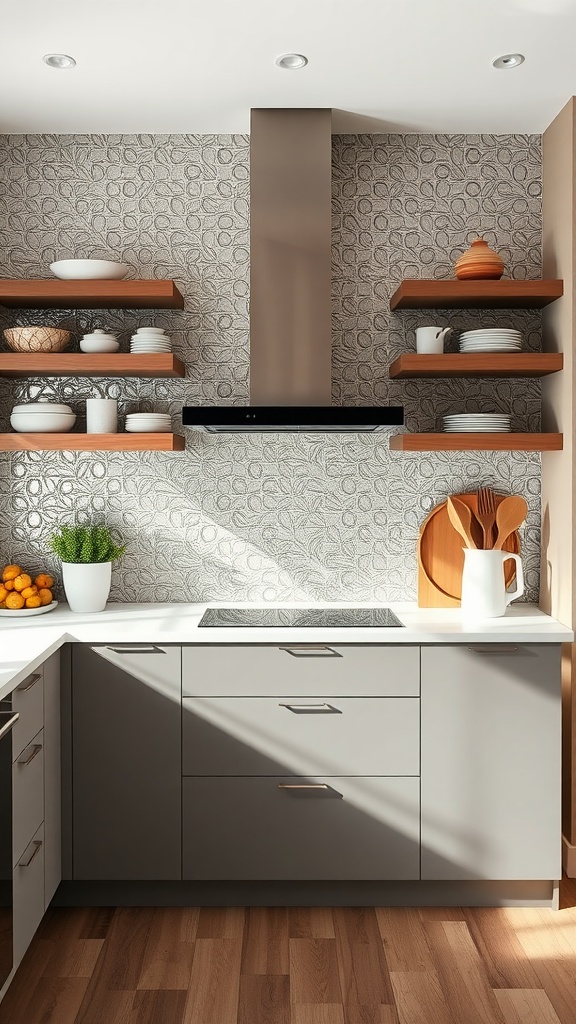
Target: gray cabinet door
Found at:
x=126, y=763
x=307, y=828
x=52, y=778
x=491, y=762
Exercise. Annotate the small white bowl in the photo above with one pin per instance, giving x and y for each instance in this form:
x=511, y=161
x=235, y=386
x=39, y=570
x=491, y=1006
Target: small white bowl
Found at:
x=98, y=345
x=42, y=422
x=85, y=270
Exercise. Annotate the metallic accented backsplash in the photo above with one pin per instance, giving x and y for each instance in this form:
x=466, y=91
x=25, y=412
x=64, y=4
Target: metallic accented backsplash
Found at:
x=266, y=517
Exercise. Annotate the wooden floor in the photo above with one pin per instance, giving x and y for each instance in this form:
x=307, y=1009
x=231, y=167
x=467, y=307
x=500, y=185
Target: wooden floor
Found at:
x=299, y=966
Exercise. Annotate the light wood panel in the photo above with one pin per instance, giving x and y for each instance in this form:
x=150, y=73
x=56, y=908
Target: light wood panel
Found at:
x=500, y=442
x=92, y=442
x=85, y=364
x=503, y=294
x=448, y=965
x=56, y=294
x=411, y=365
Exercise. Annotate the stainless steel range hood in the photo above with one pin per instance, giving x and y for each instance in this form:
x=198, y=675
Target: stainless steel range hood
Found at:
x=290, y=287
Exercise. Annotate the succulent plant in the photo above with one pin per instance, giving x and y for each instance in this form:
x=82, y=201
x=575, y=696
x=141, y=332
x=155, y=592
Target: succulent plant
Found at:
x=85, y=544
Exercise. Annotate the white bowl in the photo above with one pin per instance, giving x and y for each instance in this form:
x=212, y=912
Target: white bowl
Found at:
x=98, y=345
x=42, y=422
x=85, y=270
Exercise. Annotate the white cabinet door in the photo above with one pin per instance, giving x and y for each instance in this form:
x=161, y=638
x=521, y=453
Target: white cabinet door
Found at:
x=491, y=762
x=52, y=778
x=302, y=670
x=307, y=828
x=300, y=736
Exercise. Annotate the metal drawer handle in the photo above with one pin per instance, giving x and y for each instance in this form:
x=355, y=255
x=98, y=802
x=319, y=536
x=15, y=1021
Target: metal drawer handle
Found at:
x=29, y=682
x=311, y=709
x=9, y=725
x=35, y=749
x=319, y=788
x=136, y=649
x=25, y=863
x=310, y=651
x=493, y=648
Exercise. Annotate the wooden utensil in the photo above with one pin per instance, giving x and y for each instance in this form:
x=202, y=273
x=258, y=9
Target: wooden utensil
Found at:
x=460, y=515
x=486, y=514
x=509, y=516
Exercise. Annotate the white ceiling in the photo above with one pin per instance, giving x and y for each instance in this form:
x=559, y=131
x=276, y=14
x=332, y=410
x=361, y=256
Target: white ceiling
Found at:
x=382, y=65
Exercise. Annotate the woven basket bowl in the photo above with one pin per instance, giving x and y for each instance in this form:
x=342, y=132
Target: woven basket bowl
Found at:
x=36, y=339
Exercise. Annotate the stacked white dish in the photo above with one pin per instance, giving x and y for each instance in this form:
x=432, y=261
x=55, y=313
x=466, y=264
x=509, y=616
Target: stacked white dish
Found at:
x=477, y=422
x=99, y=341
x=491, y=339
x=150, y=339
x=148, y=423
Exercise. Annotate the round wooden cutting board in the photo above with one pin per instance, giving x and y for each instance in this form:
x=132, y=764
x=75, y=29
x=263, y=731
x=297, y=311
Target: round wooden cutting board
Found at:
x=441, y=556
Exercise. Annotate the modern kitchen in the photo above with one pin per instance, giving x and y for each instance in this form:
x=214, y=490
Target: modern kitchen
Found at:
x=287, y=500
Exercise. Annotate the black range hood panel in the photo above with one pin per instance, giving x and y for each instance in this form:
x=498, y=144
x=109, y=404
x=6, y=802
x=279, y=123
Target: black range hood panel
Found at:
x=247, y=419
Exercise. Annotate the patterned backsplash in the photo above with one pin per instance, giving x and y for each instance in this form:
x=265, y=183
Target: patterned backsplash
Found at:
x=275, y=516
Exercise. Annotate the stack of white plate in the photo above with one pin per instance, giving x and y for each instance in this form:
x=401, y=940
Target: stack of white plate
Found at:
x=150, y=339
x=491, y=339
x=477, y=422
x=148, y=423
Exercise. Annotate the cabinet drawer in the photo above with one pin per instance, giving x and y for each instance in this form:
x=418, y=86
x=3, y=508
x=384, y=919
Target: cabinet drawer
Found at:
x=341, y=829
x=301, y=669
x=28, y=701
x=28, y=794
x=301, y=736
x=28, y=894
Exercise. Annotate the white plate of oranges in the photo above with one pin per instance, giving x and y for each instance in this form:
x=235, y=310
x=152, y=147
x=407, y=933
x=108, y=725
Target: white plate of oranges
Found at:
x=21, y=594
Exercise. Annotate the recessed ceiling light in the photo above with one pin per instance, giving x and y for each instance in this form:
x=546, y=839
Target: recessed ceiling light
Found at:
x=59, y=60
x=508, y=60
x=291, y=61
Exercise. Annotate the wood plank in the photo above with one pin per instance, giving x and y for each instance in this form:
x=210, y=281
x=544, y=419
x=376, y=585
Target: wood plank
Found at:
x=221, y=923
x=167, y=961
x=526, y=1006
x=410, y=365
x=317, y=1013
x=52, y=1001
x=455, y=294
x=214, y=983
x=123, y=442
x=14, y=1006
x=265, y=949
x=264, y=999
x=558, y=979
x=93, y=294
x=159, y=1007
x=502, y=442
x=506, y=962
x=103, y=1006
x=314, y=976
x=310, y=923
x=120, y=963
x=85, y=364
x=461, y=973
x=362, y=967
x=74, y=958
x=404, y=939
x=419, y=998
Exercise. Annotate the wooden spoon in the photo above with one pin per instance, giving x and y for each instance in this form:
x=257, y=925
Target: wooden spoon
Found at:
x=510, y=514
x=461, y=518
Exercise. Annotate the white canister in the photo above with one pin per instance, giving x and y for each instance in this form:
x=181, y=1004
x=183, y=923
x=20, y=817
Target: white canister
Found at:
x=101, y=415
x=484, y=594
x=430, y=340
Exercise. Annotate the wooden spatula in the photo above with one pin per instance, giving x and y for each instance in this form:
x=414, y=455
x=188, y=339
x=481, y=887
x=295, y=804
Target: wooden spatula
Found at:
x=461, y=518
x=510, y=514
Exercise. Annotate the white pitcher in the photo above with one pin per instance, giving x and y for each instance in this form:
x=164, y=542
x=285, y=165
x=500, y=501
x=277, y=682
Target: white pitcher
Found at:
x=430, y=340
x=484, y=594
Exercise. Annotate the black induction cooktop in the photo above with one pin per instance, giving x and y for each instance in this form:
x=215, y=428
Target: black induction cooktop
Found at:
x=328, y=618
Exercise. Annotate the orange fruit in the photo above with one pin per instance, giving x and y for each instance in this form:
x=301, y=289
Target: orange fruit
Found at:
x=29, y=592
x=33, y=602
x=44, y=580
x=3, y=593
x=10, y=572
x=45, y=596
x=22, y=581
x=9, y=584
x=15, y=600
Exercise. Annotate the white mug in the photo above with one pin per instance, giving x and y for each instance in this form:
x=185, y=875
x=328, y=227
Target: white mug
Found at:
x=484, y=594
x=430, y=340
x=101, y=415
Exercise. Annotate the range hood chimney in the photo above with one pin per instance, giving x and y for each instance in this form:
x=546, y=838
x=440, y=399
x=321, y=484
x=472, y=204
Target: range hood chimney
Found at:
x=290, y=286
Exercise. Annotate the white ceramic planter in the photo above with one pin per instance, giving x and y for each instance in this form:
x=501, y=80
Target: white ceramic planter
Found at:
x=87, y=585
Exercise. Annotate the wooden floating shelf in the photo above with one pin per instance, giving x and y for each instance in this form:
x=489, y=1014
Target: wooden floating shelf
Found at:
x=56, y=294
x=501, y=442
x=456, y=294
x=479, y=364
x=92, y=442
x=80, y=364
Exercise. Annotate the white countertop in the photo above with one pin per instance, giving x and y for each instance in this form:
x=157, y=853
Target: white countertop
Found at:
x=26, y=642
